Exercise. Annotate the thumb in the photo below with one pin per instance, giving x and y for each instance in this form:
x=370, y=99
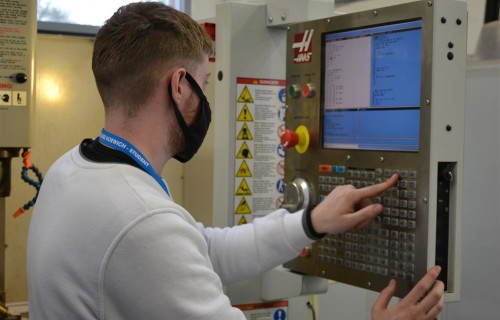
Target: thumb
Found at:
x=385, y=297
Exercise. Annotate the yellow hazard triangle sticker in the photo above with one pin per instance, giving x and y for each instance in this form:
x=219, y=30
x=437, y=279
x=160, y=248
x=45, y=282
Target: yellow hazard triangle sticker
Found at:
x=243, y=207
x=244, y=170
x=245, y=96
x=245, y=133
x=244, y=152
x=245, y=114
x=243, y=189
x=243, y=220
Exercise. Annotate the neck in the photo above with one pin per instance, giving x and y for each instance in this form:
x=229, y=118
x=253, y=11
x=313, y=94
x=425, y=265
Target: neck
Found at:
x=144, y=138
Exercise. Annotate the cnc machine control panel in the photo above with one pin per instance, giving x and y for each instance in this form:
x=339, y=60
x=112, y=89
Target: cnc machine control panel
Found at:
x=371, y=94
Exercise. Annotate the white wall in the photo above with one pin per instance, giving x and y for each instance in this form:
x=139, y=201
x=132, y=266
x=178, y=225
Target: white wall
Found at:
x=205, y=10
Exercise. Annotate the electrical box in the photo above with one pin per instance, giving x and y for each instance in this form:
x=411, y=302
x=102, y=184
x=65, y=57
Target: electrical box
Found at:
x=17, y=36
x=370, y=94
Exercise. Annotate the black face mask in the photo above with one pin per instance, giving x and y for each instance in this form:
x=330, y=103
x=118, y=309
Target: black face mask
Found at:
x=194, y=134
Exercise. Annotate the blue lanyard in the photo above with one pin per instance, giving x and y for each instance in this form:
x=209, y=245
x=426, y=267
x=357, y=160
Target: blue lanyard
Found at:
x=122, y=145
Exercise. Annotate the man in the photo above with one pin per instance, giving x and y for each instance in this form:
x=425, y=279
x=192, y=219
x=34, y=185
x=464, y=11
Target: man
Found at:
x=107, y=241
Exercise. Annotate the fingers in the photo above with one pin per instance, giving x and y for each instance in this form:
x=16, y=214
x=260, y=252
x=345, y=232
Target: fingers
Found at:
x=421, y=288
x=363, y=216
x=385, y=297
x=436, y=309
x=377, y=189
x=432, y=301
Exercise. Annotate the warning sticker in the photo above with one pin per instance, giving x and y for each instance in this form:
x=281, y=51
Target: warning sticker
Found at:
x=259, y=118
x=277, y=310
x=243, y=207
x=245, y=96
x=244, y=170
x=243, y=220
x=243, y=189
x=245, y=114
x=244, y=133
x=244, y=152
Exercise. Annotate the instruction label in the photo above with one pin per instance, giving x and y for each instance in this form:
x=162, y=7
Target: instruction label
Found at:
x=259, y=161
x=277, y=310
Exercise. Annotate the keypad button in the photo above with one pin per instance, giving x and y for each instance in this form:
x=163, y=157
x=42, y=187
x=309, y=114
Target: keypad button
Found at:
x=395, y=212
x=412, y=214
x=412, y=204
x=403, y=213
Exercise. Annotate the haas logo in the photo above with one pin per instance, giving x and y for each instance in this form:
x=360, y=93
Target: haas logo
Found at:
x=302, y=47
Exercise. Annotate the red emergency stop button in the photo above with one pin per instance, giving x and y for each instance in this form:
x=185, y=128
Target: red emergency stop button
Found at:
x=306, y=252
x=298, y=139
x=289, y=139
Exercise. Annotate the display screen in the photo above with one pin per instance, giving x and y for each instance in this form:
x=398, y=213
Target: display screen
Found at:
x=371, y=87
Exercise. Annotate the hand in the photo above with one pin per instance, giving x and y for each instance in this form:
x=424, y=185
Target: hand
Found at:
x=413, y=306
x=347, y=207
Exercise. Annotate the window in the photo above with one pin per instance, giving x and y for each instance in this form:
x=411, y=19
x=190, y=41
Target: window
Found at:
x=83, y=17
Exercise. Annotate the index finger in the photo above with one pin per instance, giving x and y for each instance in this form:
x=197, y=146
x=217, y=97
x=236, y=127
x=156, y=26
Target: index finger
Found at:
x=376, y=189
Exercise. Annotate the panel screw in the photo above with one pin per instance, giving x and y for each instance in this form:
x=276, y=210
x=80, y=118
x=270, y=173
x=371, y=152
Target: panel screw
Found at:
x=270, y=19
x=375, y=13
x=427, y=102
x=425, y=200
x=448, y=127
x=382, y=159
x=283, y=17
x=429, y=3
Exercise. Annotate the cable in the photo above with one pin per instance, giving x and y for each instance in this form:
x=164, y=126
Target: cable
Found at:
x=36, y=184
x=311, y=307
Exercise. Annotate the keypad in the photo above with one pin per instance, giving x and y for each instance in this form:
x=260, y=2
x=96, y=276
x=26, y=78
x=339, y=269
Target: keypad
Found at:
x=388, y=246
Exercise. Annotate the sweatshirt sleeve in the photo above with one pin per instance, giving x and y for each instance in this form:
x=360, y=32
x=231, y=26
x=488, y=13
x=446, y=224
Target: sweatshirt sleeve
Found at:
x=158, y=268
x=241, y=252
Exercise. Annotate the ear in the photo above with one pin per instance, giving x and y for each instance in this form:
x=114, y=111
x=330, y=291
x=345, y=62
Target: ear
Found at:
x=178, y=90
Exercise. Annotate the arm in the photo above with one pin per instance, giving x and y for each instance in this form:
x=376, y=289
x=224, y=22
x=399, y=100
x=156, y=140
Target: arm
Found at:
x=158, y=268
x=248, y=250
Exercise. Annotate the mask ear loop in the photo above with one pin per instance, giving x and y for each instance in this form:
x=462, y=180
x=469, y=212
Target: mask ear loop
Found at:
x=195, y=86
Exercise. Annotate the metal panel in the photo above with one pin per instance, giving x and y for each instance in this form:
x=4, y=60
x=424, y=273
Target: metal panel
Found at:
x=441, y=141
